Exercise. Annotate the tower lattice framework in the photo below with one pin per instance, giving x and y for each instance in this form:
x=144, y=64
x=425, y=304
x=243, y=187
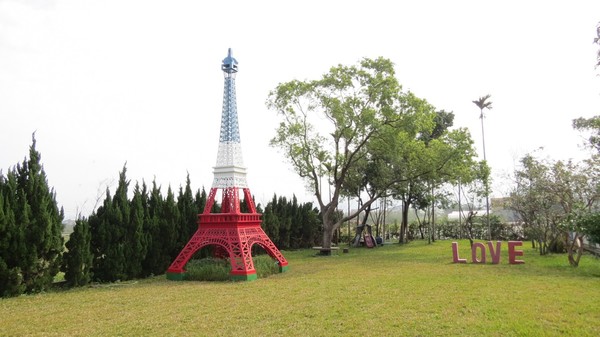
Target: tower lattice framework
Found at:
x=232, y=232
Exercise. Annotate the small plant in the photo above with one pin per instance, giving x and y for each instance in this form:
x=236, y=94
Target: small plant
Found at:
x=265, y=266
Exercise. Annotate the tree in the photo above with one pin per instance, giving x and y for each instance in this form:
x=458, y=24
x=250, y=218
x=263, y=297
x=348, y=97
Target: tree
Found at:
x=289, y=224
x=439, y=156
x=136, y=239
x=591, y=125
x=537, y=206
x=171, y=227
x=361, y=105
x=270, y=221
x=11, y=239
x=577, y=187
x=109, y=227
x=550, y=197
x=188, y=211
x=31, y=241
x=483, y=103
x=590, y=225
x=450, y=153
x=471, y=188
x=77, y=262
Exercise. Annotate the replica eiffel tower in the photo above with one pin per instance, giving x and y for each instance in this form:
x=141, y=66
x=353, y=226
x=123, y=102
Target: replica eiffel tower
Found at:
x=231, y=232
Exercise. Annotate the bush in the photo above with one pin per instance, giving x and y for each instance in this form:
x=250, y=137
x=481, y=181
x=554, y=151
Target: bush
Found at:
x=557, y=246
x=211, y=269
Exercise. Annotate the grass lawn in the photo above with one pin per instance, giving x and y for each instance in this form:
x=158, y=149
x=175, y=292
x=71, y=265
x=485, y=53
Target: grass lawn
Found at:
x=392, y=290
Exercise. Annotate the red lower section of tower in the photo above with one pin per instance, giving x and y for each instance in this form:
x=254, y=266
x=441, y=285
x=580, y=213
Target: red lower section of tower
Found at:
x=233, y=234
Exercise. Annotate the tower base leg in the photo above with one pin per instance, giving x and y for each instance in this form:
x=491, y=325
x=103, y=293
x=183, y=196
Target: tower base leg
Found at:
x=243, y=277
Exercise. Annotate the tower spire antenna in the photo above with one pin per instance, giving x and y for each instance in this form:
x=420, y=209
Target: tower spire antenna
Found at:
x=230, y=65
x=231, y=231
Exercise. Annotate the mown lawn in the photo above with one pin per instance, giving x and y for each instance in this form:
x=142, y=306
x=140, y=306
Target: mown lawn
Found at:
x=393, y=290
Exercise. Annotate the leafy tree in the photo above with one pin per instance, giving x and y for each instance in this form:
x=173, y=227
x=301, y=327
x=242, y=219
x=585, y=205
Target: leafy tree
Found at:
x=368, y=118
x=551, y=196
x=533, y=200
x=591, y=125
x=438, y=156
x=472, y=188
x=448, y=154
x=577, y=188
x=78, y=259
x=590, y=225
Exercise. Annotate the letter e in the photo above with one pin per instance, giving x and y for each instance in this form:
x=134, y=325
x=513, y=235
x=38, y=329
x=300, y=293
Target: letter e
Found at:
x=512, y=253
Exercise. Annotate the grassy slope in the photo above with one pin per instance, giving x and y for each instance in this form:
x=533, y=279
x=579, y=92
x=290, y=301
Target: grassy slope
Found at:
x=391, y=290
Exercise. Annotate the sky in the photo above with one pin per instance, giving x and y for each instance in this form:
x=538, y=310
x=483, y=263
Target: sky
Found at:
x=110, y=83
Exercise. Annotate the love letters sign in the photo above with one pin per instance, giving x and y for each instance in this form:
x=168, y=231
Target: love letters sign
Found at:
x=494, y=250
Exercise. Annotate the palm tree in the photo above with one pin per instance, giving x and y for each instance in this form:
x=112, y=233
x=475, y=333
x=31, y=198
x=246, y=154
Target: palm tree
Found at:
x=483, y=103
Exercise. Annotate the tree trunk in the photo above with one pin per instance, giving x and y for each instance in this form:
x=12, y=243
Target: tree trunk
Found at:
x=327, y=236
x=432, y=214
x=420, y=224
x=356, y=241
x=574, y=261
x=404, y=225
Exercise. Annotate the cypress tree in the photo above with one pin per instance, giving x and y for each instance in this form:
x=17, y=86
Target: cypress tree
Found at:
x=117, y=220
x=171, y=227
x=99, y=237
x=270, y=221
x=188, y=211
x=295, y=224
x=77, y=262
x=109, y=234
x=135, y=238
x=201, y=200
x=285, y=222
x=32, y=224
x=153, y=263
x=11, y=279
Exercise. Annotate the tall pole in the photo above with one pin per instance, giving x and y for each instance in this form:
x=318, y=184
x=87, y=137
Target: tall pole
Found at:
x=459, y=211
x=349, y=231
x=487, y=190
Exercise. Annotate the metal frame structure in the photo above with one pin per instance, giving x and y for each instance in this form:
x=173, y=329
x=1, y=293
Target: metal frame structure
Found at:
x=232, y=233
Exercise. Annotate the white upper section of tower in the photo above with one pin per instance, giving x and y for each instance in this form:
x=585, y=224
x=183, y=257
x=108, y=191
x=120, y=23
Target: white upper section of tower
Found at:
x=229, y=170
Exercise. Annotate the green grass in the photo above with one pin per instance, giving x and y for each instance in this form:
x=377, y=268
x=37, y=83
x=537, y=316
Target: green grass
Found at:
x=393, y=290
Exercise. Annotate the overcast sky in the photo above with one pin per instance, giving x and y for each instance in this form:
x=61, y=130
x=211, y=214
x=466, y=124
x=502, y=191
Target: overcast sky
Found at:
x=102, y=83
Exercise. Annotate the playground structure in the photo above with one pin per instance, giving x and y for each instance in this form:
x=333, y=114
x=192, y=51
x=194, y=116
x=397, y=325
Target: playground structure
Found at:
x=232, y=232
x=368, y=237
